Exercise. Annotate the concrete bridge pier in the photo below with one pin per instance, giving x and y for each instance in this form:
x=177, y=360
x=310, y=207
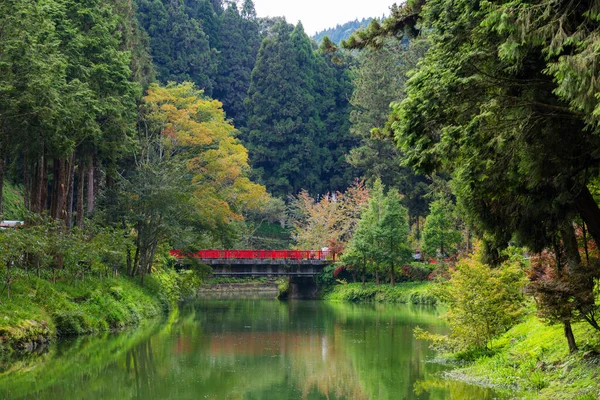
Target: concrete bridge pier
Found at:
x=302, y=288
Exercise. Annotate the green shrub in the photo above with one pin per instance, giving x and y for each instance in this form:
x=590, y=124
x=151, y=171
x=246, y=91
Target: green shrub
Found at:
x=409, y=292
x=283, y=288
x=482, y=302
x=70, y=322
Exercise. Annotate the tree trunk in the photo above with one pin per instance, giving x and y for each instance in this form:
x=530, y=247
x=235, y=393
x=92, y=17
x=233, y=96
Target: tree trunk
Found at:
x=33, y=191
x=60, y=189
x=129, y=261
x=2, y=162
x=151, y=259
x=37, y=186
x=136, y=261
x=80, y=193
x=67, y=171
x=393, y=277
x=585, y=244
x=418, y=232
x=44, y=183
x=590, y=318
x=569, y=336
x=70, y=194
x=377, y=274
x=90, y=188
x=54, y=191
x=26, y=182
x=570, y=246
x=589, y=212
x=136, y=257
x=97, y=175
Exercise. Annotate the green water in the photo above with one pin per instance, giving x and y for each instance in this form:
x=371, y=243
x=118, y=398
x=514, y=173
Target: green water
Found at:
x=246, y=349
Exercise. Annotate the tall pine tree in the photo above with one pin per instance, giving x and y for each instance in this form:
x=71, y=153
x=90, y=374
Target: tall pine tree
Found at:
x=180, y=47
x=297, y=132
x=239, y=43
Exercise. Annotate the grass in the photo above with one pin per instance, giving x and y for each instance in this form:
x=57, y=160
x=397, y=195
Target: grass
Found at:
x=531, y=360
x=39, y=310
x=12, y=205
x=406, y=292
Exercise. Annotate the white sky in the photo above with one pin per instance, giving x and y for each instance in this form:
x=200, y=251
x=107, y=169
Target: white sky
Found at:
x=317, y=15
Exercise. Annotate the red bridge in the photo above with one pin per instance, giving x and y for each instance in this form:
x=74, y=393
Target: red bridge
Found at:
x=262, y=262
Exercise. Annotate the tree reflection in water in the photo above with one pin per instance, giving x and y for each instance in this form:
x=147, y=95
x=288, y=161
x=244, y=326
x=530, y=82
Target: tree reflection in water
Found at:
x=249, y=349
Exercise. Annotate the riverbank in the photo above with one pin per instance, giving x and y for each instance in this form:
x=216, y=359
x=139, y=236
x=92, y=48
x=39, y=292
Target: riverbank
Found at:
x=39, y=311
x=532, y=360
x=404, y=292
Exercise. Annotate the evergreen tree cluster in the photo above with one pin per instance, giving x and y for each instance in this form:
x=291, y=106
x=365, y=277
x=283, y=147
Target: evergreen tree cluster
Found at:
x=297, y=131
x=96, y=145
x=505, y=101
x=288, y=98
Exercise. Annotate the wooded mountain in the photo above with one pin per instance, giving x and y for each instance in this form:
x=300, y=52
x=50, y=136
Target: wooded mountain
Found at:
x=342, y=32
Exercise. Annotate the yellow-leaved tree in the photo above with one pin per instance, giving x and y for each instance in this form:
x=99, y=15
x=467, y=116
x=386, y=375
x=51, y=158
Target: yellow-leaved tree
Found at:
x=190, y=182
x=194, y=129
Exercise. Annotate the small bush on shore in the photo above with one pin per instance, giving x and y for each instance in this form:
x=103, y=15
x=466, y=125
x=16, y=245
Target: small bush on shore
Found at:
x=483, y=302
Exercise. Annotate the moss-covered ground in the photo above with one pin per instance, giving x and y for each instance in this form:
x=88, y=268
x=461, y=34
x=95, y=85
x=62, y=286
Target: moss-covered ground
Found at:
x=405, y=292
x=532, y=361
x=39, y=310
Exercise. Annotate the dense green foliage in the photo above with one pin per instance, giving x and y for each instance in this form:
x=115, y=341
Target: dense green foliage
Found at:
x=441, y=235
x=107, y=180
x=490, y=103
x=482, y=302
x=13, y=207
x=411, y=293
x=179, y=46
x=380, y=243
x=297, y=107
x=289, y=100
x=379, y=79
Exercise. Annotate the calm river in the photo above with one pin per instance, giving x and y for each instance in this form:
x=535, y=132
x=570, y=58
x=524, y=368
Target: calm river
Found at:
x=246, y=349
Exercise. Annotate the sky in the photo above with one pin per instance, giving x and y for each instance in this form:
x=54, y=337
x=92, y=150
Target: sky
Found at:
x=317, y=15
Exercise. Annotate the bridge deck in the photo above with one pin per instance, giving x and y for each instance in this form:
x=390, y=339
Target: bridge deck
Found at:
x=298, y=263
x=264, y=273
x=231, y=261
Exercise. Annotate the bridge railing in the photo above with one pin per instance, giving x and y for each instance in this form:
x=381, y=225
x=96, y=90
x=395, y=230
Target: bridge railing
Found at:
x=258, y=254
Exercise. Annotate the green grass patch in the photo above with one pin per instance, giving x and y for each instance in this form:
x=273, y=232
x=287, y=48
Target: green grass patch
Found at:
x=39, y=310
x=12, y=202
x=406, y=292
x=533, y=361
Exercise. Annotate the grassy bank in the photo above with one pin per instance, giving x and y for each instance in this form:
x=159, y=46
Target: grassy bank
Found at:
x=532, y=361
x=39, y=310
x=408, y=292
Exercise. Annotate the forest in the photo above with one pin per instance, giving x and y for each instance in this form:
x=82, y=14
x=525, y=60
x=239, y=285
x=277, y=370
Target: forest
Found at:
x=454, y=142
